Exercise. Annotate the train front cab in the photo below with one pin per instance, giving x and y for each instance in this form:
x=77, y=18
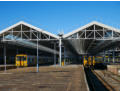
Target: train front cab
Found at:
x=89, y=61
x=85, y=61
x=21, y=60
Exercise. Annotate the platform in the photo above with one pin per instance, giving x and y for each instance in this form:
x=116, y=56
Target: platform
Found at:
x=49, y=78
x=2, y=67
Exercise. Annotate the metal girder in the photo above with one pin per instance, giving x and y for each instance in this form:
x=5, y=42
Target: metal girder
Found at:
x=95, y=33
x=91, y=35
x=82, y=41
x=26, y=35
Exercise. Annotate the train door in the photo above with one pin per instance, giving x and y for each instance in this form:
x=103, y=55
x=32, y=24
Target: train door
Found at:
x=21, y=60
x=89, y=60
x=17, y=61
x=93, y=60
x=25, y=60
x=28, y=60
x=85, y=61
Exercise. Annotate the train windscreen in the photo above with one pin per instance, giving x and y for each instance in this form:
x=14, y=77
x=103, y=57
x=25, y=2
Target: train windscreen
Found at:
x=21, y=58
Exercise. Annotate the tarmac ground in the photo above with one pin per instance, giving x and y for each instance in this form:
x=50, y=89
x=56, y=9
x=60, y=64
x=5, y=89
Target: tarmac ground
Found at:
x=49, y=78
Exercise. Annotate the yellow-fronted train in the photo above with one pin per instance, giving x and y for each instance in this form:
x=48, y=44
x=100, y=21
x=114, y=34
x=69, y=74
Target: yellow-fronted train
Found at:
x=95, y=62
x=25, y=60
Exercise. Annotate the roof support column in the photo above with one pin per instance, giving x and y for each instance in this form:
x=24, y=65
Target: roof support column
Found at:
x=113, y=56
x=108, y=56
x=5, y=57
x=104, y=56
x=37, y=57
x=60, y=48
x=54, y=54
x=60, y=51
x=94, y=32
x=64, y=56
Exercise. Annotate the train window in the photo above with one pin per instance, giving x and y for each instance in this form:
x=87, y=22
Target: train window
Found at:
x=28, y=58
x=18, y=58
x=24, y=58
x=21, y=58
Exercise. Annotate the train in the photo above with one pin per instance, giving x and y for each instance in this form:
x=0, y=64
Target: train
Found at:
x=88, y=61
x=24, y=60
x=94, y=62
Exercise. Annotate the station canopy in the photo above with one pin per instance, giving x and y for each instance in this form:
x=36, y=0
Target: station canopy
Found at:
x=27, y=35
x=92, y=39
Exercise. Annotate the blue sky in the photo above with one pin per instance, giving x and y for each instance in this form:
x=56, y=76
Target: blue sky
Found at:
x=59, y=16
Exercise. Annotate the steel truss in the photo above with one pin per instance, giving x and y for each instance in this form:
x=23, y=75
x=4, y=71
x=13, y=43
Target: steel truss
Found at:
x=98, y=37
x=29, y=34
x=97, y=34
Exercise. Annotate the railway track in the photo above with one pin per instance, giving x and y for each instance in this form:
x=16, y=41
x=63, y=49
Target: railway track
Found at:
x=95, y=82
x=111, y=76
x=111, y=79
x=115, y=79
x=105, y=83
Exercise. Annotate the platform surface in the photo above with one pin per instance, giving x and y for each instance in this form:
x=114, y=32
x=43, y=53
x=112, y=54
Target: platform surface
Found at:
x=7, y=65
x=49, y=78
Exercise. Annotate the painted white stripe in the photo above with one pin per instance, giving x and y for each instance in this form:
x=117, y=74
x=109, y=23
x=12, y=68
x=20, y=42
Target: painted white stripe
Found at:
x=85, y=80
